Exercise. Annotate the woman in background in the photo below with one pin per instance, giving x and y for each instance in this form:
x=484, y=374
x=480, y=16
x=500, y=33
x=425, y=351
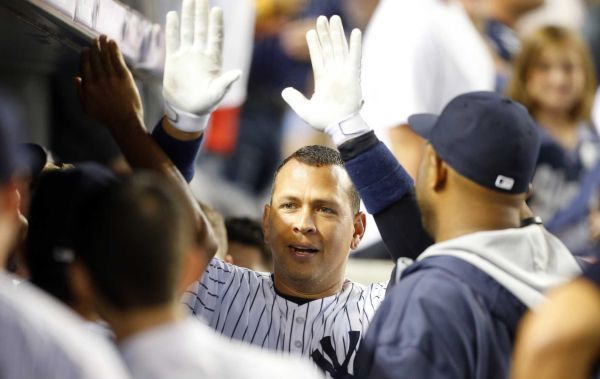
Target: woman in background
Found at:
x=554, y=78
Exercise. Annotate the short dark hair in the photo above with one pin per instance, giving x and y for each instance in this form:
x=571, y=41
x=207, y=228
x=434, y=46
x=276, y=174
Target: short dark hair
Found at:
x=248, y=232
x=56, y=201
x=132, y=238
x=318, y=156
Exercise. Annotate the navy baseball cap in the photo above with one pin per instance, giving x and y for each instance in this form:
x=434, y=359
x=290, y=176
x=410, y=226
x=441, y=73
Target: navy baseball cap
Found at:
x=485, y=137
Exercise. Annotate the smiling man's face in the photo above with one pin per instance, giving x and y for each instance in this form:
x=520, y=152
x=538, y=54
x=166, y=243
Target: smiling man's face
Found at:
x=310, y=227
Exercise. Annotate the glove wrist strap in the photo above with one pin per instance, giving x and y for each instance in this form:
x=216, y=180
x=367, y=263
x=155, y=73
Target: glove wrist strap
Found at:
x=186, y=121
x=347, y=128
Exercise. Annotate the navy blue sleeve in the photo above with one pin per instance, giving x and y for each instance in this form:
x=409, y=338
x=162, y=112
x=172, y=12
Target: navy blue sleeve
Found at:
x=419, y=331
x=376, y=174
x=182, y=153
x=388, y=193
x=433, y=324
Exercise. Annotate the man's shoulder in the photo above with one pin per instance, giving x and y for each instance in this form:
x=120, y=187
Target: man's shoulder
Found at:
x=217, y=265
x=179, y=346
x=429, y=279
x=455, y=287
x=38, y=328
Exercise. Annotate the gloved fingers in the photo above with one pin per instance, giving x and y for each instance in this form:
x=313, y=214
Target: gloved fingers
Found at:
x=214, y=43
x=201, y=24
x=187, y=23
x=338, y=39
x=314, y=49
x=224, y=81
x=117, y=60
x=172, y=33
x=105, y=56
x=296, y=101
x=355, y=48
x=95, y=60
x=324, y=39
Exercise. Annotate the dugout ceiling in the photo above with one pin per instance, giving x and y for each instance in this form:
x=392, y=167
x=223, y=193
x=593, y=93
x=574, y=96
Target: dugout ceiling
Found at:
x=45, y=36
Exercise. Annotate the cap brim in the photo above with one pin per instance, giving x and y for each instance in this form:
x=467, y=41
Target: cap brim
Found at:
x=423, y=123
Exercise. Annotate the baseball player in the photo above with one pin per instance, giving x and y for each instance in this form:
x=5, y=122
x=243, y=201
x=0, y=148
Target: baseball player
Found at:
x=155, y=338
x=306, y=306
x=40, y=337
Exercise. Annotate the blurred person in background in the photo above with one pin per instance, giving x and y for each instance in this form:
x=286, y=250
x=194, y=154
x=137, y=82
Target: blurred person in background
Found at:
x=279, y=59
x=436, y=54
x=246, y=245
x=427, y=51
x=500, y=30
x=554, y=78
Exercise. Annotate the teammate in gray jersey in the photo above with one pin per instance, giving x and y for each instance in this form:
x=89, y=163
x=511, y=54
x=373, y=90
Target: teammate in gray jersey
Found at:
x=40, y=338
x=135, y=276
x=306, y=306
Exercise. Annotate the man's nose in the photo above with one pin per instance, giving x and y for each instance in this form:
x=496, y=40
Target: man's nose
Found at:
x=304, y=223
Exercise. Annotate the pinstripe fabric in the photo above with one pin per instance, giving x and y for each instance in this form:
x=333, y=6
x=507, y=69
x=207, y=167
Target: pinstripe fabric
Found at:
x=243, y=305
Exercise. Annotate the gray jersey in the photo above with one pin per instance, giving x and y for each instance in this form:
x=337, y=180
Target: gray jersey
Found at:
x=42, y=339
x=190, y=350
x=243, y=304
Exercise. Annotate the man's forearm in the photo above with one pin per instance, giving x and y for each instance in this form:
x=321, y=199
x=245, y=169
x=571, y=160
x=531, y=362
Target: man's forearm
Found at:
x=143, y=153
x=387, y=191
x=181, y=147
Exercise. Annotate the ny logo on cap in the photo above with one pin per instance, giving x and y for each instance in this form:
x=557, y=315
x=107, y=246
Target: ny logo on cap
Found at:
x=504, y=182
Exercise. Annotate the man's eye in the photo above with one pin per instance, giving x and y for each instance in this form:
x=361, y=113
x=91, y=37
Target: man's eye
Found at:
x=287, y=206
x=325, y=210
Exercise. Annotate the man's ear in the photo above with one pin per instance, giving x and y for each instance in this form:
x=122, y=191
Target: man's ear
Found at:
x=440, y=168
x=265, y=223
x=194, y=264
x=360, y=224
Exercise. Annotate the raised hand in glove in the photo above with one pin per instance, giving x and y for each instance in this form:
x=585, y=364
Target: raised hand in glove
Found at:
x=335, y=105
x=193, y=83
x=106, y=87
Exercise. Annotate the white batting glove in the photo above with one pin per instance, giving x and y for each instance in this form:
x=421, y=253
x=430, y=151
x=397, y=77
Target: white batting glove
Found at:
x=193, y=84
x=335, y=105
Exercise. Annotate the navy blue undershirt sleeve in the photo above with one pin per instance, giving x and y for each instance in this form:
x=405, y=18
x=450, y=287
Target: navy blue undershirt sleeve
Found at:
x=388, y=193
x=182, y=153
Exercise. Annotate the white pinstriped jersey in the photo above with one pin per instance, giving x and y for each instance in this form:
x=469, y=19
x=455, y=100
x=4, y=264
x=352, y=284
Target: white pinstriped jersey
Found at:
x=243, y=305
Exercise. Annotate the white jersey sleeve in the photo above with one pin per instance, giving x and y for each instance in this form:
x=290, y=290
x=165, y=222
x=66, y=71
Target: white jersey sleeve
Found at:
x=223, y=289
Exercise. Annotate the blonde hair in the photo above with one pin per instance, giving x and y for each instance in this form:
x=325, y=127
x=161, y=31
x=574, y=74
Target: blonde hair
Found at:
x=529, y=56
